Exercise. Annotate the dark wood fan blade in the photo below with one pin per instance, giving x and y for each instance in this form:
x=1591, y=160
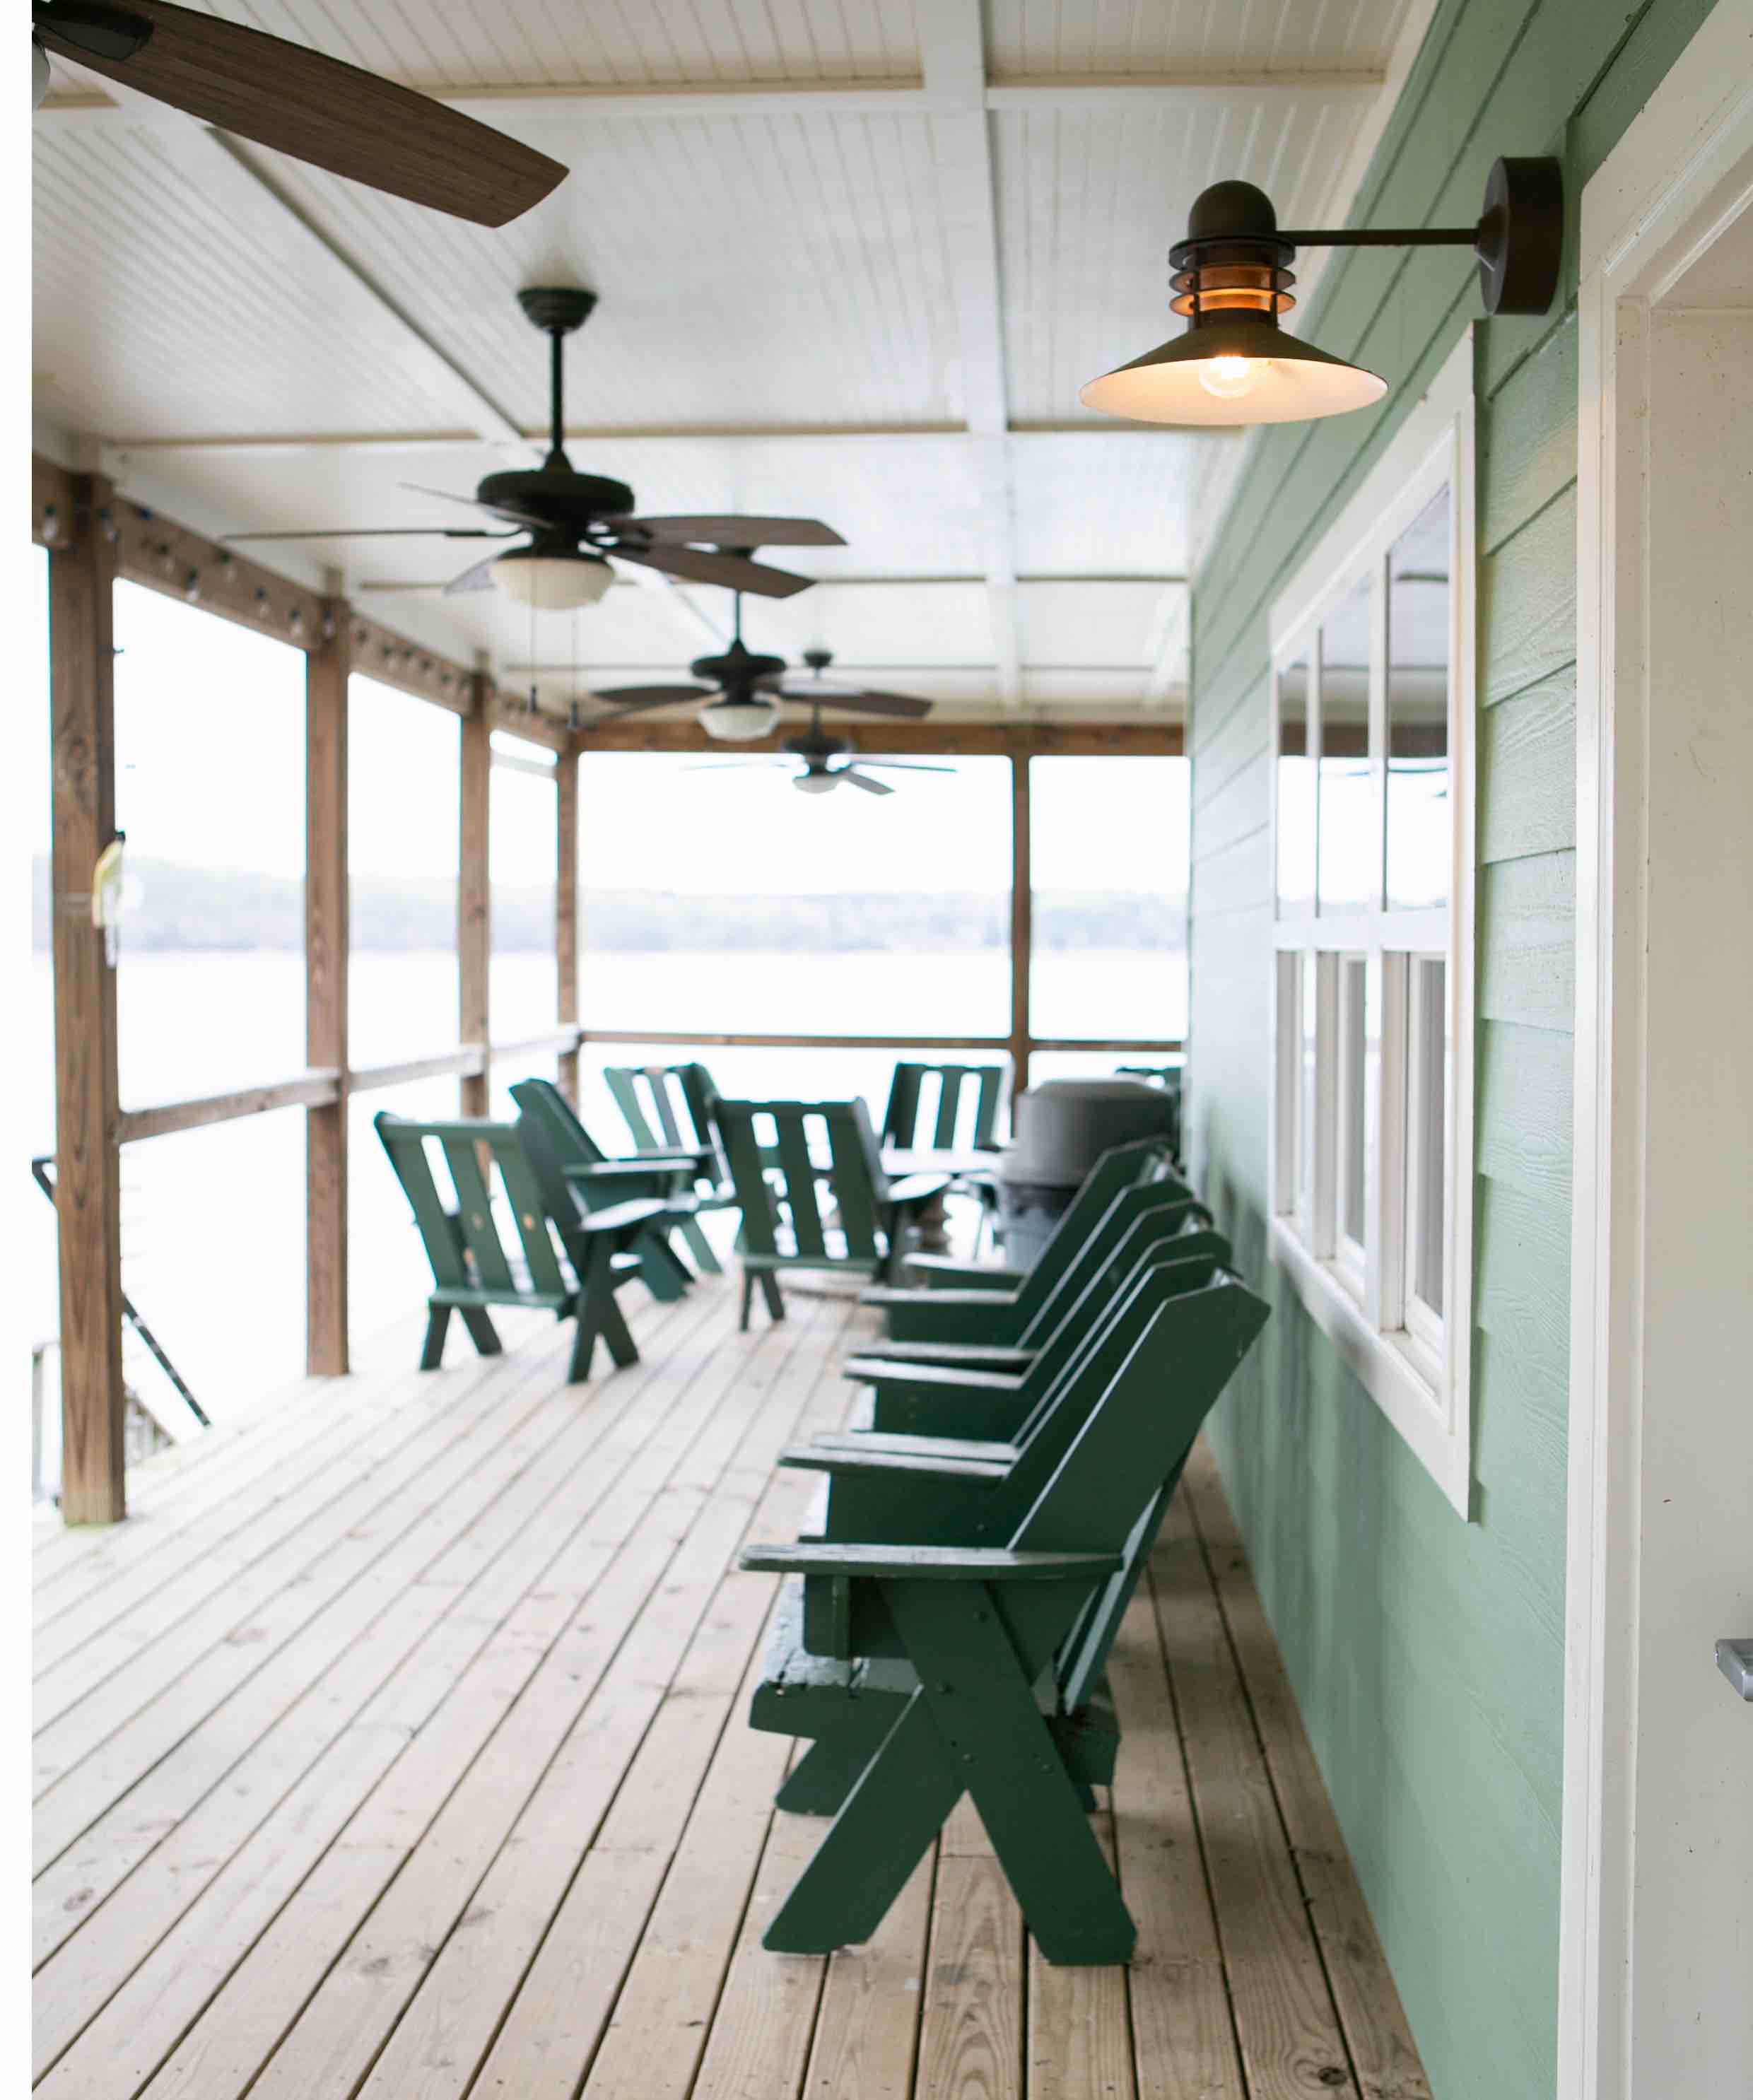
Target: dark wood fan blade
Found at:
x=478, y=578
x=731, y=570
x=720, y=529
x=316, y=109
x=853, y=779
x=377, y=532
x=853, y=700
x=635, y=699
x=904, y=765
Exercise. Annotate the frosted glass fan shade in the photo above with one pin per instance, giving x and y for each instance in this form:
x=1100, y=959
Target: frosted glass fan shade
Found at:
x=552, y=583
x=1233, y=371
x=815, y=783
x=738, y=720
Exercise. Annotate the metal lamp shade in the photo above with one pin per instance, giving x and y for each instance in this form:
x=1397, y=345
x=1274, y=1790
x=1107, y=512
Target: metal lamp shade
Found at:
x=1241, y=368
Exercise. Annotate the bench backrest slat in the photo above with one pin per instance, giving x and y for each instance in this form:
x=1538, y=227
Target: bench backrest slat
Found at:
x=472, y=1151
x=818, y=1147
x=903, y=1117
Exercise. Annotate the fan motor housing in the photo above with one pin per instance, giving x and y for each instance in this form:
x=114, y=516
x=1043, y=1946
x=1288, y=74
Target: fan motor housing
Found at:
x=546, y=496
x=737, y=668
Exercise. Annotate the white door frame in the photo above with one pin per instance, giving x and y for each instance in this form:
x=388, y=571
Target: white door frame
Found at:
x=1667, y=191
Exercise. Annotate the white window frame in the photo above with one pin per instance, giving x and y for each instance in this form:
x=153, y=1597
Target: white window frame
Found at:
x=1418, y=1370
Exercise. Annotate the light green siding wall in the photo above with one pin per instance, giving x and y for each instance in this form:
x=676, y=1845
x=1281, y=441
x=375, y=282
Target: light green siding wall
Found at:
x=1428, y=1655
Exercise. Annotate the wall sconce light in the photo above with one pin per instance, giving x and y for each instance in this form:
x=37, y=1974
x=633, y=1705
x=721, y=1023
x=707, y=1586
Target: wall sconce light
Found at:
x=1234, y=365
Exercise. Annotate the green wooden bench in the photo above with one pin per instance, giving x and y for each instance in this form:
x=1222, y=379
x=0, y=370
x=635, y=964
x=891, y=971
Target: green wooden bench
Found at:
x=813, y=1193
x=667, y=1110
x=963, y=1652
x=904, y=1126
x=472, y=1267
x=574, y=1171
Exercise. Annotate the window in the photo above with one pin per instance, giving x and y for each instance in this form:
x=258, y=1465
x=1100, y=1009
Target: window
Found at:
x=1372, y=988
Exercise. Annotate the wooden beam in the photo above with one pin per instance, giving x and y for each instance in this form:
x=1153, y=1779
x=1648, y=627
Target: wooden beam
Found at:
x=309, y=1089
x=1130, y=738
x=52, y=503
x=328, y=670
x=441, y=1065
x=474, y=894
x=153, y=550
x=88, y=1161
x=1022, y=925
x=735, y=1040
x=566, y=910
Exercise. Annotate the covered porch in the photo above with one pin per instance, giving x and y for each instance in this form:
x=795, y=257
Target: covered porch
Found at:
x=396, y=1744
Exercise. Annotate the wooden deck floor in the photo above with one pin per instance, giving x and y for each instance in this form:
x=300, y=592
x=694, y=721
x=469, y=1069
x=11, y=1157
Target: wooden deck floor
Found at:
x=396, y=1747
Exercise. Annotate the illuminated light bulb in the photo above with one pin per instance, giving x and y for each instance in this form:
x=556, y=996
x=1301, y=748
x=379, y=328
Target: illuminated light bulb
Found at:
x=1230, y=377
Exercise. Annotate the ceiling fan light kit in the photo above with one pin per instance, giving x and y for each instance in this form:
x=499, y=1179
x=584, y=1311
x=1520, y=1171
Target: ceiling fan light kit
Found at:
x=557, y=582
x=1232, y=280
x=740, y=717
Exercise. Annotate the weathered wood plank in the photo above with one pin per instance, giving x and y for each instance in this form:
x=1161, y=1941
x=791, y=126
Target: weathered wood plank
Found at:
x=1287, y=2026
x=327, y=918
x=88, y=1166
x=1384, y=2057
x=971, y=2029
x=1079, y=2026
x=1183, y=2037
x=866, y=2032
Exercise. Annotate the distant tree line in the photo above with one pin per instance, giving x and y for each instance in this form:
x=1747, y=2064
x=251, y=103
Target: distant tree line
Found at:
x=188, y=908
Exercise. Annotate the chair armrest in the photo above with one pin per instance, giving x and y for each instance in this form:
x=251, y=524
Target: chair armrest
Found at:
x=931, y=1378
x=698, y=1156
x=944, y=1563
x=984, y=1301
x=942, y=1268
x=874, y=1465
x=948, y=1355
x=900, y=1444
x=621, y=1170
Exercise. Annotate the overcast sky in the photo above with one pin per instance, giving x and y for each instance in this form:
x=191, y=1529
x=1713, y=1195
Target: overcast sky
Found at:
x=209, y=744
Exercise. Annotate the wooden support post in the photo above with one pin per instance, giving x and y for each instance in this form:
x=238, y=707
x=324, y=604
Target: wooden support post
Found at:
x=566, y=908
x=87, y=1155
x=328, y=668
x=1022, y=924
x=474, y=891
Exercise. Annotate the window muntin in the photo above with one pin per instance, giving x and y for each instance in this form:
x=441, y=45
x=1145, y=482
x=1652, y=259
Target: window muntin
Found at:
x=1384, y=961
x=1417, y=828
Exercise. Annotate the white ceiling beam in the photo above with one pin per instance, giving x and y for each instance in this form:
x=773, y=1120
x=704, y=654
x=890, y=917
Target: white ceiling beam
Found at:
x=1087, y=93
x=953, y=53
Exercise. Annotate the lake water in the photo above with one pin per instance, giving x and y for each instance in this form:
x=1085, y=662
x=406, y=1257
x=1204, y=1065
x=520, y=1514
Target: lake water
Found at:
x=212, y=1230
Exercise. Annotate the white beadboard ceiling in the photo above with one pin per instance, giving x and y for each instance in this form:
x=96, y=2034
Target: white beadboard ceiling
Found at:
x=855, y=258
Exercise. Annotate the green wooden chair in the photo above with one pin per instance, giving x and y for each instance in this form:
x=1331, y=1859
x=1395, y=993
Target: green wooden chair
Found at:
x=988, y=1320
x=904, y=1126
x=937, y=1665
x=989, y=1395
x=473, y=1269
x=1117, y=1168
x=668, y=1109
x=821, y=1150
x=913, y=1123
x=574, y=1171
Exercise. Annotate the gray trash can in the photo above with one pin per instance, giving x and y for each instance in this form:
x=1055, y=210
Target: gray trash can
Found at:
x=1061, y=1129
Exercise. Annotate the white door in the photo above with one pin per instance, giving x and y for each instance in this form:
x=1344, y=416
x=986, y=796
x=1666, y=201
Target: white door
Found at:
x=1657, y=1958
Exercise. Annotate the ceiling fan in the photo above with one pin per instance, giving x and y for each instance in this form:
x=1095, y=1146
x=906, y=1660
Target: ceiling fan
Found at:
x=820, y=773
x=301, y=103
x=574, y=521
x=743, y=690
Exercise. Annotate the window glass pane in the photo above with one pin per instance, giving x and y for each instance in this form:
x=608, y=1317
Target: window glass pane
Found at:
x=405, y=781
x=717, y=897
x=1108, y=848
x=1426, y=1141
x=1351, y=847
x=1419, y=825
x=1297, y=789
x=1353, y=1052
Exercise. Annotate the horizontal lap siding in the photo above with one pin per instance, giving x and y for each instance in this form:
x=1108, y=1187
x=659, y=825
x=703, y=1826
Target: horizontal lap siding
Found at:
x=1428, y=1656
